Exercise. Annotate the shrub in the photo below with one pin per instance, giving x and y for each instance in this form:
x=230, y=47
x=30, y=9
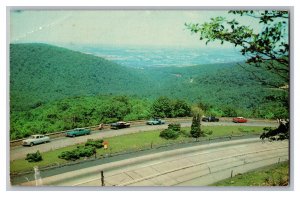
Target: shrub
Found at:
x=80, y=151
x=169, y=134
x=86, y=151
x=34, y=157
x=69, y=155
x=94, y=143
x=174, y=126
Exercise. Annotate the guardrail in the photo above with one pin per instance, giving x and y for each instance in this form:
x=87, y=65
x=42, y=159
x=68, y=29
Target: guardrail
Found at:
x=57, y=134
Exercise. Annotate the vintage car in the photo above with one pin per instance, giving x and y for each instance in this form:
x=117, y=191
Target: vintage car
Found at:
x=78, y=132
x=155, y=121
x=210, y=119
x=35, y=139
x=120, y=125
x=239, y=120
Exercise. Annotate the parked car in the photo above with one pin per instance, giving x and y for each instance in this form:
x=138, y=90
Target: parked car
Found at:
x=210, y=119
x=78, y=132
x=239, y=120
x=120, y=125
x=155, y=121
x=35, y=139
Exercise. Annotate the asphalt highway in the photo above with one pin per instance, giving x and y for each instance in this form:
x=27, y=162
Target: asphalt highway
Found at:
x=198, y=165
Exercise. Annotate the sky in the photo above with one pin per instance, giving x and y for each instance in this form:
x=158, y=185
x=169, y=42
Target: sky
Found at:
x=111, y=27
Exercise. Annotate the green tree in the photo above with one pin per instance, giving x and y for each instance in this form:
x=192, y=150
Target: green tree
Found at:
x=266, y=51
x=229, y=111
x=196, y=131
x=181, y=108
x=162, y=107
x=117, y=108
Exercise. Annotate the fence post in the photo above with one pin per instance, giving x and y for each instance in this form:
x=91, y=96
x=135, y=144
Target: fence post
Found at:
x=231, y=173
x=102, y=178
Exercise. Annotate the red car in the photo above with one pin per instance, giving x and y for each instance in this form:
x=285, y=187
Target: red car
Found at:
x=239, y=120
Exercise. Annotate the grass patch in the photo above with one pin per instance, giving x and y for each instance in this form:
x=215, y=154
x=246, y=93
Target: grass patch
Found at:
x=218, y=131
x=275, y=175
x=130, y=142
x=49, y=158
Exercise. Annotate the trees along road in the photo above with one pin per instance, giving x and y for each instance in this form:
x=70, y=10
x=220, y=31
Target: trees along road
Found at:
x=192, y=166
x=19, y=152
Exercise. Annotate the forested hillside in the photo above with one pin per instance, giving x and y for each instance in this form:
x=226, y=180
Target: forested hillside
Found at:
x=219, y=85
x=40, y=73
x=53, y=88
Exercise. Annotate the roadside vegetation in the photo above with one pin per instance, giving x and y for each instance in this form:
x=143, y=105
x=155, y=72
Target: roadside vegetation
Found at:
x=132, y=142
x=275, y=175
x=82, y=151
x=172, y=132
x=87, y=111
x=92, y=110
x=34, y=157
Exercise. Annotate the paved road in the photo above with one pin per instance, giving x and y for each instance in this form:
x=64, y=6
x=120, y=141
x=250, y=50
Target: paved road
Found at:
x=19, y=152
x=193, y=166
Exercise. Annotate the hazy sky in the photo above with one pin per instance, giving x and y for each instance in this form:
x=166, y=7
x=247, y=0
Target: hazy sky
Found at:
x=152, y=28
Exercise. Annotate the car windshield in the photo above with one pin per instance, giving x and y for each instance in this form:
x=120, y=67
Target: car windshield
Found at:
x=32, y=137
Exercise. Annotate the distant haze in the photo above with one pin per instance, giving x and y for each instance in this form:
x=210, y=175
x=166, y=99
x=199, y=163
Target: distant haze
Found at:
x=111, y=27
x=141, y=57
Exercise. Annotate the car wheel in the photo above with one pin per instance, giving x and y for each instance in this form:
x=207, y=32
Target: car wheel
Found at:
x=73, y=135
x=31, y=144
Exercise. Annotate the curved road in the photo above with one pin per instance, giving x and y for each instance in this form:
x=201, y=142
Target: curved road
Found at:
x=19, y=152
x=192, y=166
